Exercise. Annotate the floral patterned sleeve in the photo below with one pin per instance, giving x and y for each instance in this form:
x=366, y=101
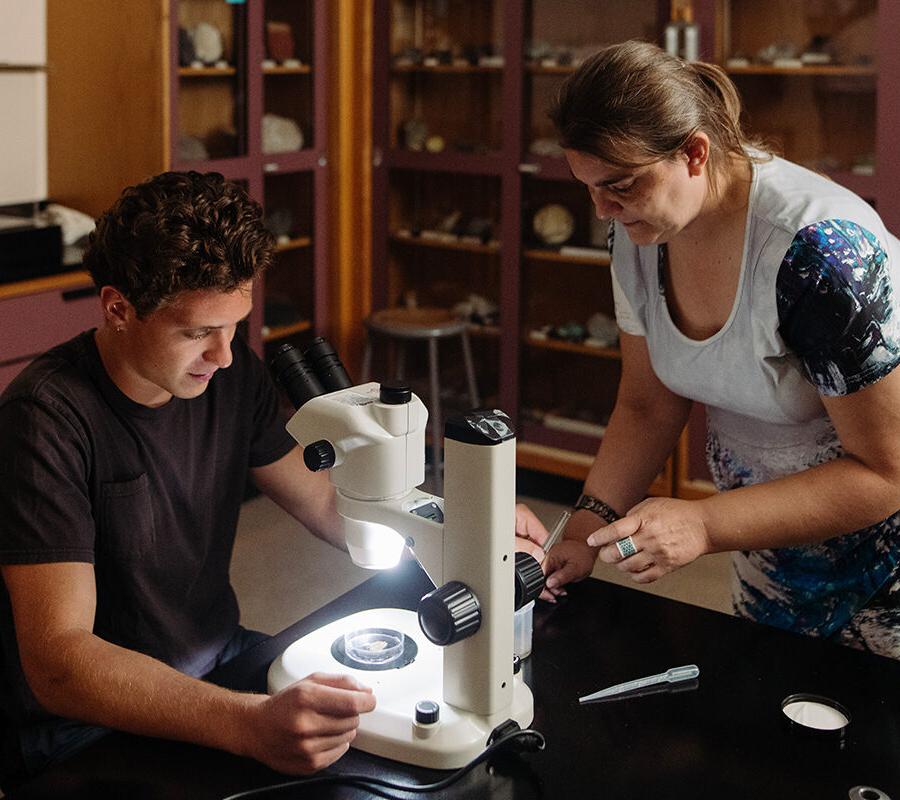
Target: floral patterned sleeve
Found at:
x=837, y=308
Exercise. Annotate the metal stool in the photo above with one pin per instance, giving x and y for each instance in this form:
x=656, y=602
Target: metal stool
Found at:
x=431, y=324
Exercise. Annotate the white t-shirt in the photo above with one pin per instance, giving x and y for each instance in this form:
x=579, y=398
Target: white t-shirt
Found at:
x=815, y=313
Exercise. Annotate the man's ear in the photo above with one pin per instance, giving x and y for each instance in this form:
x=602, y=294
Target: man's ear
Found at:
x=697, y=153
x=117, y=310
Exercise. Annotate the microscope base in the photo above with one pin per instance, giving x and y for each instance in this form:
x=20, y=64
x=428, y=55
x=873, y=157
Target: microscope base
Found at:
x=391, y=730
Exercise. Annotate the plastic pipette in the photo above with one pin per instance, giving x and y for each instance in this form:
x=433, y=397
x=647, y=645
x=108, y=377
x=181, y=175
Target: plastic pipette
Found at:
x=674, y=675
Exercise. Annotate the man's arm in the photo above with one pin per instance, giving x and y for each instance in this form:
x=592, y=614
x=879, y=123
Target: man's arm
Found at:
x=77, y=675
x=306, y=496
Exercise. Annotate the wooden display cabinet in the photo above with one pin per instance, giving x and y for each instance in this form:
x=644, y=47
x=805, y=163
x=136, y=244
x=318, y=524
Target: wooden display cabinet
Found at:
x=121, y=107
x=807, y=74
x=289, y=310
x=566, y=387
x=488, y=114
x=211, y=109
x=446, y=69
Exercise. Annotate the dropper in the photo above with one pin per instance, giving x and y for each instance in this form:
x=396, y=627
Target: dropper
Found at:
x=674, y=675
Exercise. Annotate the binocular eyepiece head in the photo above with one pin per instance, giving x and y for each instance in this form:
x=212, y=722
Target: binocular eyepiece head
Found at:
x=315, y=371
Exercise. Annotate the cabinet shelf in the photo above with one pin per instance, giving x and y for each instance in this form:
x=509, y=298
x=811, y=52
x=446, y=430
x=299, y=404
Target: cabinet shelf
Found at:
x=834, y=70
x=298, y=243
x=446, y=162
x=550, y=458
x=291, y=161
x=274, y=333
x=300, y=69
x=612, y=353
x=555, y=69
x=491, y=248
x=51, y=283
x=446, y=69
x=547, y=168
x=206, y=72
x=484, y=331
x=535, y=432
x=600, y=260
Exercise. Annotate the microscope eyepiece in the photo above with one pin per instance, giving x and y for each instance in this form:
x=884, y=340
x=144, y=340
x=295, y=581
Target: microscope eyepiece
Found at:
x=321, y=356
x=293, y=372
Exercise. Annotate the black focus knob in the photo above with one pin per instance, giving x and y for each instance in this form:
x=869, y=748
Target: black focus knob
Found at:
x=529, y=579
x=427, y=712
x=394, y=393
x=449, y=614
x=319, y=455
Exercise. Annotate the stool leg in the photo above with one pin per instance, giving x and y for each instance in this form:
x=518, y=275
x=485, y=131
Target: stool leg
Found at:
x=470, y=370
x=367, y=360
x=437, y=430
x=401, y=360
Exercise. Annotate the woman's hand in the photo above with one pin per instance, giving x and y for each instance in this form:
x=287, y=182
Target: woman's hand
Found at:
x=530, y=532
x=666, y=533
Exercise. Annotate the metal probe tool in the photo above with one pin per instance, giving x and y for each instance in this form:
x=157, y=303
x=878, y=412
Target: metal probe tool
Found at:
x=674, y=675
x=556, y=532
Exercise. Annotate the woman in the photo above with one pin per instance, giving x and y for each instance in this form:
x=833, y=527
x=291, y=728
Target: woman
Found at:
x=767, y=293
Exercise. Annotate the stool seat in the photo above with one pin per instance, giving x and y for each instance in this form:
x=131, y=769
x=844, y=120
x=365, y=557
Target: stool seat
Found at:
x=403, y=325
x=416, y=323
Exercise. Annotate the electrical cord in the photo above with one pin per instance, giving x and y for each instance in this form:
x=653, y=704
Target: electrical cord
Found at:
x=525, y=740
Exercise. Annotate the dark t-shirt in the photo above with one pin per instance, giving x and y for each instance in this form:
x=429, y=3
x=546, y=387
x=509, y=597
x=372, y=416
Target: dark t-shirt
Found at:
x=149, y=496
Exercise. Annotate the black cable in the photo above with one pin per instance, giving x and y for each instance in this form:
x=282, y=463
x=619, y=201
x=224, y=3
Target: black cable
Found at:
x=531, y=740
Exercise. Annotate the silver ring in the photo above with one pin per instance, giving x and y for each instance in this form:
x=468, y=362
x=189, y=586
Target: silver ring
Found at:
x=626, y=547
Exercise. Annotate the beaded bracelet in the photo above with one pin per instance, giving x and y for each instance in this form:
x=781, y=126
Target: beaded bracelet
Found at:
x=598, y=507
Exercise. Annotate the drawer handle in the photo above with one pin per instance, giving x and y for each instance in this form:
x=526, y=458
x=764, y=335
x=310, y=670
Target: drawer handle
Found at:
x=78, y=294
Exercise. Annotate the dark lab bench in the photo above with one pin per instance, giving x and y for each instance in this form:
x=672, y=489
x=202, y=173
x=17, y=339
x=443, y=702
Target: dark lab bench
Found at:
x=726, y=738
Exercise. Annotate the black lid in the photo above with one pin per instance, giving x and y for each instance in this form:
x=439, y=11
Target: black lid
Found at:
x=830, y=723
x=394, y=393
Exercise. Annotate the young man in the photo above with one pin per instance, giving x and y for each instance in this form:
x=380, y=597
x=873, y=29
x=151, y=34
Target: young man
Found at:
x=125, y=455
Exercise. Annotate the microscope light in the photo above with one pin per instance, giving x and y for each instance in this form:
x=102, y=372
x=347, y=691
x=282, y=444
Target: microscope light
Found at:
x=372, y=545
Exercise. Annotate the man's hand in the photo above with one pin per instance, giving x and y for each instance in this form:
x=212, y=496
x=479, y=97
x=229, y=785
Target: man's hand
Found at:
x=310, y=724
x=568, y=561
x=530, y=532
x=667, y=534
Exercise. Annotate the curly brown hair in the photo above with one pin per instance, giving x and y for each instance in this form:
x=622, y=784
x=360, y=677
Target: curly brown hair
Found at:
x=177, y=232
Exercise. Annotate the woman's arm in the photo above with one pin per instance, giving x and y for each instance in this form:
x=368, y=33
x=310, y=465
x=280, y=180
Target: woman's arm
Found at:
x=856, y=490
x=642, y=431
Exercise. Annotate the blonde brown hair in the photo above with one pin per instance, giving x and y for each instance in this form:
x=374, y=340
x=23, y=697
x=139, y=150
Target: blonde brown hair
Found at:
x=634, y=98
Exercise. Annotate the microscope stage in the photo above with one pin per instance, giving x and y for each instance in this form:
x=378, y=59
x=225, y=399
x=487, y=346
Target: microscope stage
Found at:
x=391, y=729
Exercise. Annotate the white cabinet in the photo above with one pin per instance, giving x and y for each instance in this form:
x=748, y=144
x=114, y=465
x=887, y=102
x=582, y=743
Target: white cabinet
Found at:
x=23, y=98
x=23, y=32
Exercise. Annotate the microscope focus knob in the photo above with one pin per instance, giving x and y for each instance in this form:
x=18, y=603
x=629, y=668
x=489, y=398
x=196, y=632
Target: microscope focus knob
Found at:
x=319, y=455
x=529, y=579
x=449, y=614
